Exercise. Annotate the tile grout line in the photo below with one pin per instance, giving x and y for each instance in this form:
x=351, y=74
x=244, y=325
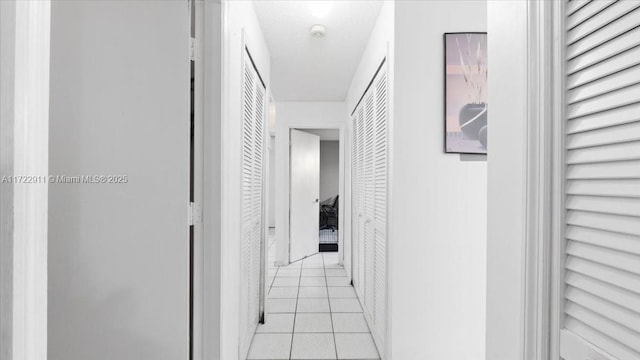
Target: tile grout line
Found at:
x=295, y=313
x=333, y=332
x=277, y=270
x=273, y=280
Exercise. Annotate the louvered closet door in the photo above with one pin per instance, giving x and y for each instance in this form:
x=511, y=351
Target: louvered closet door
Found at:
x=369, y=189
x=252, y=198
x=355, y=229
x=380, y=207
x=360, y=202
x=601, y=302
x=369, y=138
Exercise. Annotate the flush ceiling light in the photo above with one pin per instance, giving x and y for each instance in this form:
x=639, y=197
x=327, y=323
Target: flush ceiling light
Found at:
x=318, y=31
x=319, y=8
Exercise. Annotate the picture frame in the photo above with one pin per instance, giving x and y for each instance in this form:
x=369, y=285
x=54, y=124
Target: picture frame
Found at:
x=465, y=92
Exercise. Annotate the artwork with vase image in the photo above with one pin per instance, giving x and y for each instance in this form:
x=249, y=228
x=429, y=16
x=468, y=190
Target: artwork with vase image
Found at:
x=466, y=107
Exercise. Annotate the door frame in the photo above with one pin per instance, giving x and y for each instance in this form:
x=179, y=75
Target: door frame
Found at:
x=341, y=184
x=26, y=29
x=521, y=297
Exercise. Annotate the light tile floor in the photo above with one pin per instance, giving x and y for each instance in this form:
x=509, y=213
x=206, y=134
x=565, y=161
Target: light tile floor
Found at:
x=312, y=313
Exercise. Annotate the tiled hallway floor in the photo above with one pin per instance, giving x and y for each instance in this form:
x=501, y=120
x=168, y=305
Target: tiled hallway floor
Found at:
x=312, y=313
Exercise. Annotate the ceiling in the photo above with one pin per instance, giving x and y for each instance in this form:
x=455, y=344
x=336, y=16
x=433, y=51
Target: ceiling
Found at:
x=304, y=68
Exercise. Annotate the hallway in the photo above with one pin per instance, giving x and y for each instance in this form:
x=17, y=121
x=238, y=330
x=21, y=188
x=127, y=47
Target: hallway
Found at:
x=312, y=313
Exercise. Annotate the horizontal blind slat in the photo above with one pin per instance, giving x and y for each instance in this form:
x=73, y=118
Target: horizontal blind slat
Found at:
x=618, y=241
x=610, y=135
x=613, y=82
x=618, y=188
x=608, y=347
x=608, y=101
x=616, y=223
x=621, y=334
x=611, y=311
x=602, y=255
x=605, y=68
x=614, y=27
x=603, y=204
x=620, y=278
x=602, y=13
x=612, y=293
x=605, y=51
x=604, y=153
x=618, y=116
x=575, y=5
x=605, y=170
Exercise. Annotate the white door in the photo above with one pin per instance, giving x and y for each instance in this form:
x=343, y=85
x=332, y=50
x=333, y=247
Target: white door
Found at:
x=119, y=247
x=253, y=151
x=305, y=191
x=369, y=199
x=600, y=275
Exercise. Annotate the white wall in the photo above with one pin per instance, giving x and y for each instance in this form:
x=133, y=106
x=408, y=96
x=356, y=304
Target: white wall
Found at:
x=240, y=27
x=309, y=115
x=329, y=168
x=379, y=45
x=437, y=254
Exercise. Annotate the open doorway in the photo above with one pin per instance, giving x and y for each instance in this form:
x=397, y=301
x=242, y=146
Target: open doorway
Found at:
x=314, y=195
x=329, y=209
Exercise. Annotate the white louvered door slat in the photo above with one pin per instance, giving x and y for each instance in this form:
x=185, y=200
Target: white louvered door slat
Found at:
x=611, y=135
x=603, y=204
x=380, y=208
x=359, y=193
x=587, y=11
x=618, y=116
x=618, y=45
x=601, y=281
x=621, y=17
x=254, y=95
x=355, y=236
x=603, y=290
x=247, y=198
x=369, y=189
x=369, y=138
x=576, y=5
x=605, y=68
x=605, y=153
x=361, y=219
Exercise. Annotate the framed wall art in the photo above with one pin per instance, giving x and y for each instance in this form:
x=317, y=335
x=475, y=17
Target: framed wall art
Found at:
x=466, y=107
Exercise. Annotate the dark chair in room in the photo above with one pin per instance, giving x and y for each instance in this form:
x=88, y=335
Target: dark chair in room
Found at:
x=329, y=214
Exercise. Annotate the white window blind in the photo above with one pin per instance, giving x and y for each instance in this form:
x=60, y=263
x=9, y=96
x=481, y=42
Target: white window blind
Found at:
x=369, y=210
x=253, y=148
x=601, y=280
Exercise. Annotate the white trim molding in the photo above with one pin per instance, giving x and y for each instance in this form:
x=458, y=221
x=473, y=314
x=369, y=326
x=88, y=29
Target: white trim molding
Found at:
x=7, y=75
x=524, y=89
x=30, y=144
x=540, y=155
x=556, y=169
